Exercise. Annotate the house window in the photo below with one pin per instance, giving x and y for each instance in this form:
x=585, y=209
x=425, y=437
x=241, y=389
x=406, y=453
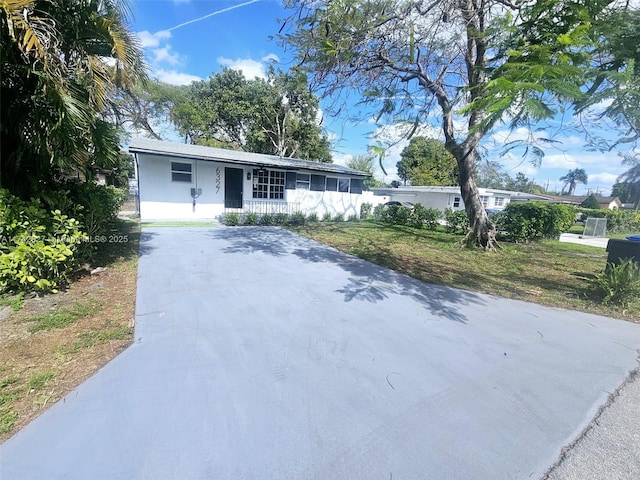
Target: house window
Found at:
x=498, y=202
x=317, y=183
x=268, y=184
x=357, y=185
x=343, y=185
x=485, y=200
x=302, y=181
x=456, y=202
x=180, y=172
x=332, y=184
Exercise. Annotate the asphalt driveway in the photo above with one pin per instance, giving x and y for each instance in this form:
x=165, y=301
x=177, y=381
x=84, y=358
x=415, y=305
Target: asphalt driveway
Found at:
x=262, y=355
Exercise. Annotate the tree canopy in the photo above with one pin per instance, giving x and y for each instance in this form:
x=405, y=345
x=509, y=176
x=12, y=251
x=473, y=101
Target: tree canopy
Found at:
x=571, y=180
x=426, y=161
x=62, y=64
x=631, y=178
x=276, y=115
x=484, y=63
x=365, y=163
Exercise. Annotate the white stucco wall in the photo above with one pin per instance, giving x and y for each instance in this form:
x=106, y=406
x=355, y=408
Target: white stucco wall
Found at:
x=446, y=199
x=333, y=203
x=163, y=199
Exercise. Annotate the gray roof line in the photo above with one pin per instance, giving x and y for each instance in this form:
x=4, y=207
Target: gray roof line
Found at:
x=183, y=150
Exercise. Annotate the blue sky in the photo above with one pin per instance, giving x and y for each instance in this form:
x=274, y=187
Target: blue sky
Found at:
x=187, y=40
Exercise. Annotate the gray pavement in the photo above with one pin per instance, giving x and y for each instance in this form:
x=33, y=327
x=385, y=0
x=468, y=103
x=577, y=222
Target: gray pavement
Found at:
x=584, y=240
x=262, y=355
x=609, y=448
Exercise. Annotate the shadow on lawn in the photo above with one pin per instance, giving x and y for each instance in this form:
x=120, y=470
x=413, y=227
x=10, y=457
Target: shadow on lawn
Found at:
x=367, y=281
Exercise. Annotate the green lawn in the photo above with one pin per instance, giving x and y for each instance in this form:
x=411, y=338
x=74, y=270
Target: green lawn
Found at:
x=548, y=272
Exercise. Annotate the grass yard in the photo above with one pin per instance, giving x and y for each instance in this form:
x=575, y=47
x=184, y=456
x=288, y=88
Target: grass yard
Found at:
x=50, y=344
x=549, y=272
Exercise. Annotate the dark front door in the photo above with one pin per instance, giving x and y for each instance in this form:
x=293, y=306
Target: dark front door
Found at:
x=233, y=187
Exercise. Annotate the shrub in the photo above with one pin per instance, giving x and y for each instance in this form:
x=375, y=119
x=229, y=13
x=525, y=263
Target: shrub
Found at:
x=457, y=221
x=326, y=217
x=618, y=221
x=619, y=283
x=535, y=220
x=94, y=206
x=379, y=211
x=267, y=219
x=42, y=251
x=591, y=202
x=365, y=210
x=352, y=218
x=250, y=218
x=424, y=217
x=398, y=215
x=313, y=217
x=231, y=219
x=339, y=218
x=281, y=218
x=297, y=219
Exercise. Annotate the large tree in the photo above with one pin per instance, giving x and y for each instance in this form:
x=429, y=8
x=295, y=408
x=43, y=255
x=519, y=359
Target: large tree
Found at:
x=571, y=180
x=365, y=163
x=488, y=61
x=632, y=178
x=62, y=62
x=426, y=161
x=490, y=174
x=276, y=115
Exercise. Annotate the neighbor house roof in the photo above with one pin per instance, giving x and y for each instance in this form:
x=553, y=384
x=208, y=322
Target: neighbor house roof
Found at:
x=185, y=150
x=454, y=190
x=578, y=199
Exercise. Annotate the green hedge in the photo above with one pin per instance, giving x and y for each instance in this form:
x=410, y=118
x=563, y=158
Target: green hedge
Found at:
x=38, y=248
x=521, y=222
x=618, y=221
x=418, y=217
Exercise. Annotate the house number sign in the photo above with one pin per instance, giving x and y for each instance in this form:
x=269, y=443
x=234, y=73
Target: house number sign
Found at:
x=217, y=179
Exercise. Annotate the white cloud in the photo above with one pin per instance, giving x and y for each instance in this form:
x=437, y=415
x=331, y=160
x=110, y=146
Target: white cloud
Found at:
x=151, y=40
x=250, y=68
x=603, y=178
x=174, y=78
x=164, y=55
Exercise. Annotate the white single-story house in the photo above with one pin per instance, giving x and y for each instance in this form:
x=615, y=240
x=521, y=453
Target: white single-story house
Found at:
x=443, y=198
x=191, y=182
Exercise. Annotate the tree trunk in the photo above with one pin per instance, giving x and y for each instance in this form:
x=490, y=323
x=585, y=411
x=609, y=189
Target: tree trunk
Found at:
x=482, y=232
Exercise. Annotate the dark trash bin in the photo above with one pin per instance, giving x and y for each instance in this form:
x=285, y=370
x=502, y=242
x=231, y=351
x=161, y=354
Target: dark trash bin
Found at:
x=620, y=249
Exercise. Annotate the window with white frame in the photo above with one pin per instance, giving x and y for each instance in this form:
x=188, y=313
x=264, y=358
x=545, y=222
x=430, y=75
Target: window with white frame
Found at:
x=456, y=202
x=498, y=201
x=343, y=185
x=485, y=200
x=332, y=184
x=268, y=184
x=181, y=172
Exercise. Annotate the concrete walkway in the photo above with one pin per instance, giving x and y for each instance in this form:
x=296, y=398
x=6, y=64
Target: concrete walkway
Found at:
x=600, y=242
x=262, y=355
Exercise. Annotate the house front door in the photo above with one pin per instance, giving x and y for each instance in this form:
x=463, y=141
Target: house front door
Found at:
x=233, y=187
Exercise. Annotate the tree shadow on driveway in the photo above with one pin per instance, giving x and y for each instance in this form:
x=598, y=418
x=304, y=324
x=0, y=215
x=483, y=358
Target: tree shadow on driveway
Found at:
x=367, y=281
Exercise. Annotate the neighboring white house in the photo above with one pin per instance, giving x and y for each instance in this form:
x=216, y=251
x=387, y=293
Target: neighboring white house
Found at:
x=190, y=182
x=443, y=197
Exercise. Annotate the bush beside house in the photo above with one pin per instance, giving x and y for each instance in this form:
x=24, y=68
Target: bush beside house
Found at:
x=521, y=222
x=42, y=242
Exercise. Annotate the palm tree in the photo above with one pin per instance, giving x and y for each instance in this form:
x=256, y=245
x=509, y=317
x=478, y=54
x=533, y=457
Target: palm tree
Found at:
x=572, y=178
x=632, y=177
x=62, y=63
